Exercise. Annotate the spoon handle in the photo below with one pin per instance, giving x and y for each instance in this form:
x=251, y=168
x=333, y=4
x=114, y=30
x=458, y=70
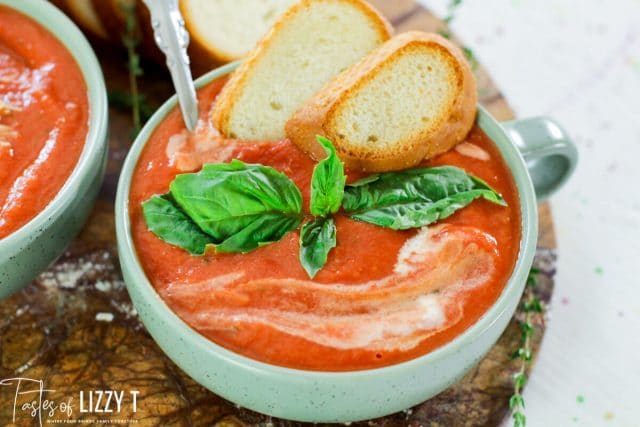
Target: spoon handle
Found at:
x=172, y=39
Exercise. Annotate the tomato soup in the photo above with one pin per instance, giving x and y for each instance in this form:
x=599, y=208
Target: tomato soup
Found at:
x=43, y=118
x=383, y=297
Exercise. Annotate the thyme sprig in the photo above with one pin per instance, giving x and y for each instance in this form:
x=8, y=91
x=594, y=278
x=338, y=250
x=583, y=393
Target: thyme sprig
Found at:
x=131, y=40
x=531, y=306
x=451, y=11
x=445, y=32
x=132, y=100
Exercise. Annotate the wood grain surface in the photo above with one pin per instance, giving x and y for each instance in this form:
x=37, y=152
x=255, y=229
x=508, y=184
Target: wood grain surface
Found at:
x=75, y=328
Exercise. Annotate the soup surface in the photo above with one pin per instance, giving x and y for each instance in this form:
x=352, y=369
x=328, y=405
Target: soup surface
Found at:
x=383, y=297
x=43, y=118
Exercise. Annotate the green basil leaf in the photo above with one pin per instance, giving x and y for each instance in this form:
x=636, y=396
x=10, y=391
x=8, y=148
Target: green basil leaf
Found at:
x=327, y=181
x=231, y=202
x=173, y=226
x=264, y=230
x=415, y=197
x=317, y=238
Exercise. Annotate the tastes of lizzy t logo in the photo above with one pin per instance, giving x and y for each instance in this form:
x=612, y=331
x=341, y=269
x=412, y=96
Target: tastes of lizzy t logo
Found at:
x=29, y=398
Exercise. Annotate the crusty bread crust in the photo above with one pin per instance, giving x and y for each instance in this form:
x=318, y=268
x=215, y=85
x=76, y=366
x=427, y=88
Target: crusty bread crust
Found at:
x=230, y=93
x=203, y=55
x=315, y=117
x=111, y=17
x=204, y=59
x=85, y=14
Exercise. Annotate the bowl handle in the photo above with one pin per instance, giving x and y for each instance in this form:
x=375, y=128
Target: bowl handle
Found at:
x=550, y=154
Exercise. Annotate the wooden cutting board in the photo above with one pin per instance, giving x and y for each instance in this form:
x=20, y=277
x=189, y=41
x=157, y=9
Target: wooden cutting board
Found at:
x=75, y=329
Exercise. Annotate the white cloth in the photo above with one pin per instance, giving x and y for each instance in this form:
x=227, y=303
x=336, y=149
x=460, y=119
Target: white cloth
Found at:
x=578, y=61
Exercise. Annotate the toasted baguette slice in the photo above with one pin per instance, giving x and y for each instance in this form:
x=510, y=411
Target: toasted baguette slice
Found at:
x=311, y=43
x=85, y=14
x=412, y=98
x=112, y=15
x=228, y=29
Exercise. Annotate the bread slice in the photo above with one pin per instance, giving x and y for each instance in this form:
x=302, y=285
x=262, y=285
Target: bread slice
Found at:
x=311, y=43
x=85, y=14
x=112, y=15
x=228, y=29
x=412, y=98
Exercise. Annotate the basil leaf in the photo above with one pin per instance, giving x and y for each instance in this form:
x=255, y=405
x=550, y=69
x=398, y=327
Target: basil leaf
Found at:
x=327, y=182
x=173, y=226
x=264, y=230
x=317, y=238
x=415, y=197
x=239, y=205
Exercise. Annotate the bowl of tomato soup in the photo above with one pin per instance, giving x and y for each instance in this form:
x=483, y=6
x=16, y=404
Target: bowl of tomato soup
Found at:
x=53, y=123
x=393, y=317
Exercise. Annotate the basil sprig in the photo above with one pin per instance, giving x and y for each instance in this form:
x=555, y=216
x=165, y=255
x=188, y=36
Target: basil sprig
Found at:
x=318, y=236
x=414, y=198
x=239, y=206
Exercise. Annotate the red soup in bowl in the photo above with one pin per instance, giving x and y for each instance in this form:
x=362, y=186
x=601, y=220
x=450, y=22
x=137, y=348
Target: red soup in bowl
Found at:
x=44, y=118
x=384, y=296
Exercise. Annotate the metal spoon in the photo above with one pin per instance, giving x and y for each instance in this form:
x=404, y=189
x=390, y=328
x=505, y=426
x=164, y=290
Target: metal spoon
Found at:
x=172, y=38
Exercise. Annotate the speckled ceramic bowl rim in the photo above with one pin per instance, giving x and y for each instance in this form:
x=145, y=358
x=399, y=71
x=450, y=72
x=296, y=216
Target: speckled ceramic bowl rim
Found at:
x=72, y=38
x=513, y=288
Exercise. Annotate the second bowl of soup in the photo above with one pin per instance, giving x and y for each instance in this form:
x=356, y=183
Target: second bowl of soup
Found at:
x=53, y=126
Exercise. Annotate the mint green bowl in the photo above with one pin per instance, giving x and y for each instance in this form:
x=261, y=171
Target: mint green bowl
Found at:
x=349, y=396
x=30, y=249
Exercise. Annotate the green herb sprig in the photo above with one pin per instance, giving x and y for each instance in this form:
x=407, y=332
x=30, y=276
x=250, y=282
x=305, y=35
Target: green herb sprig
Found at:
x=445, y=32
x=238, y=207
x=131, y=40
x=531, y=307
x=318, y=236
x=234, y=207
x=414, y=198
x=132, y=100
x=451, y=11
